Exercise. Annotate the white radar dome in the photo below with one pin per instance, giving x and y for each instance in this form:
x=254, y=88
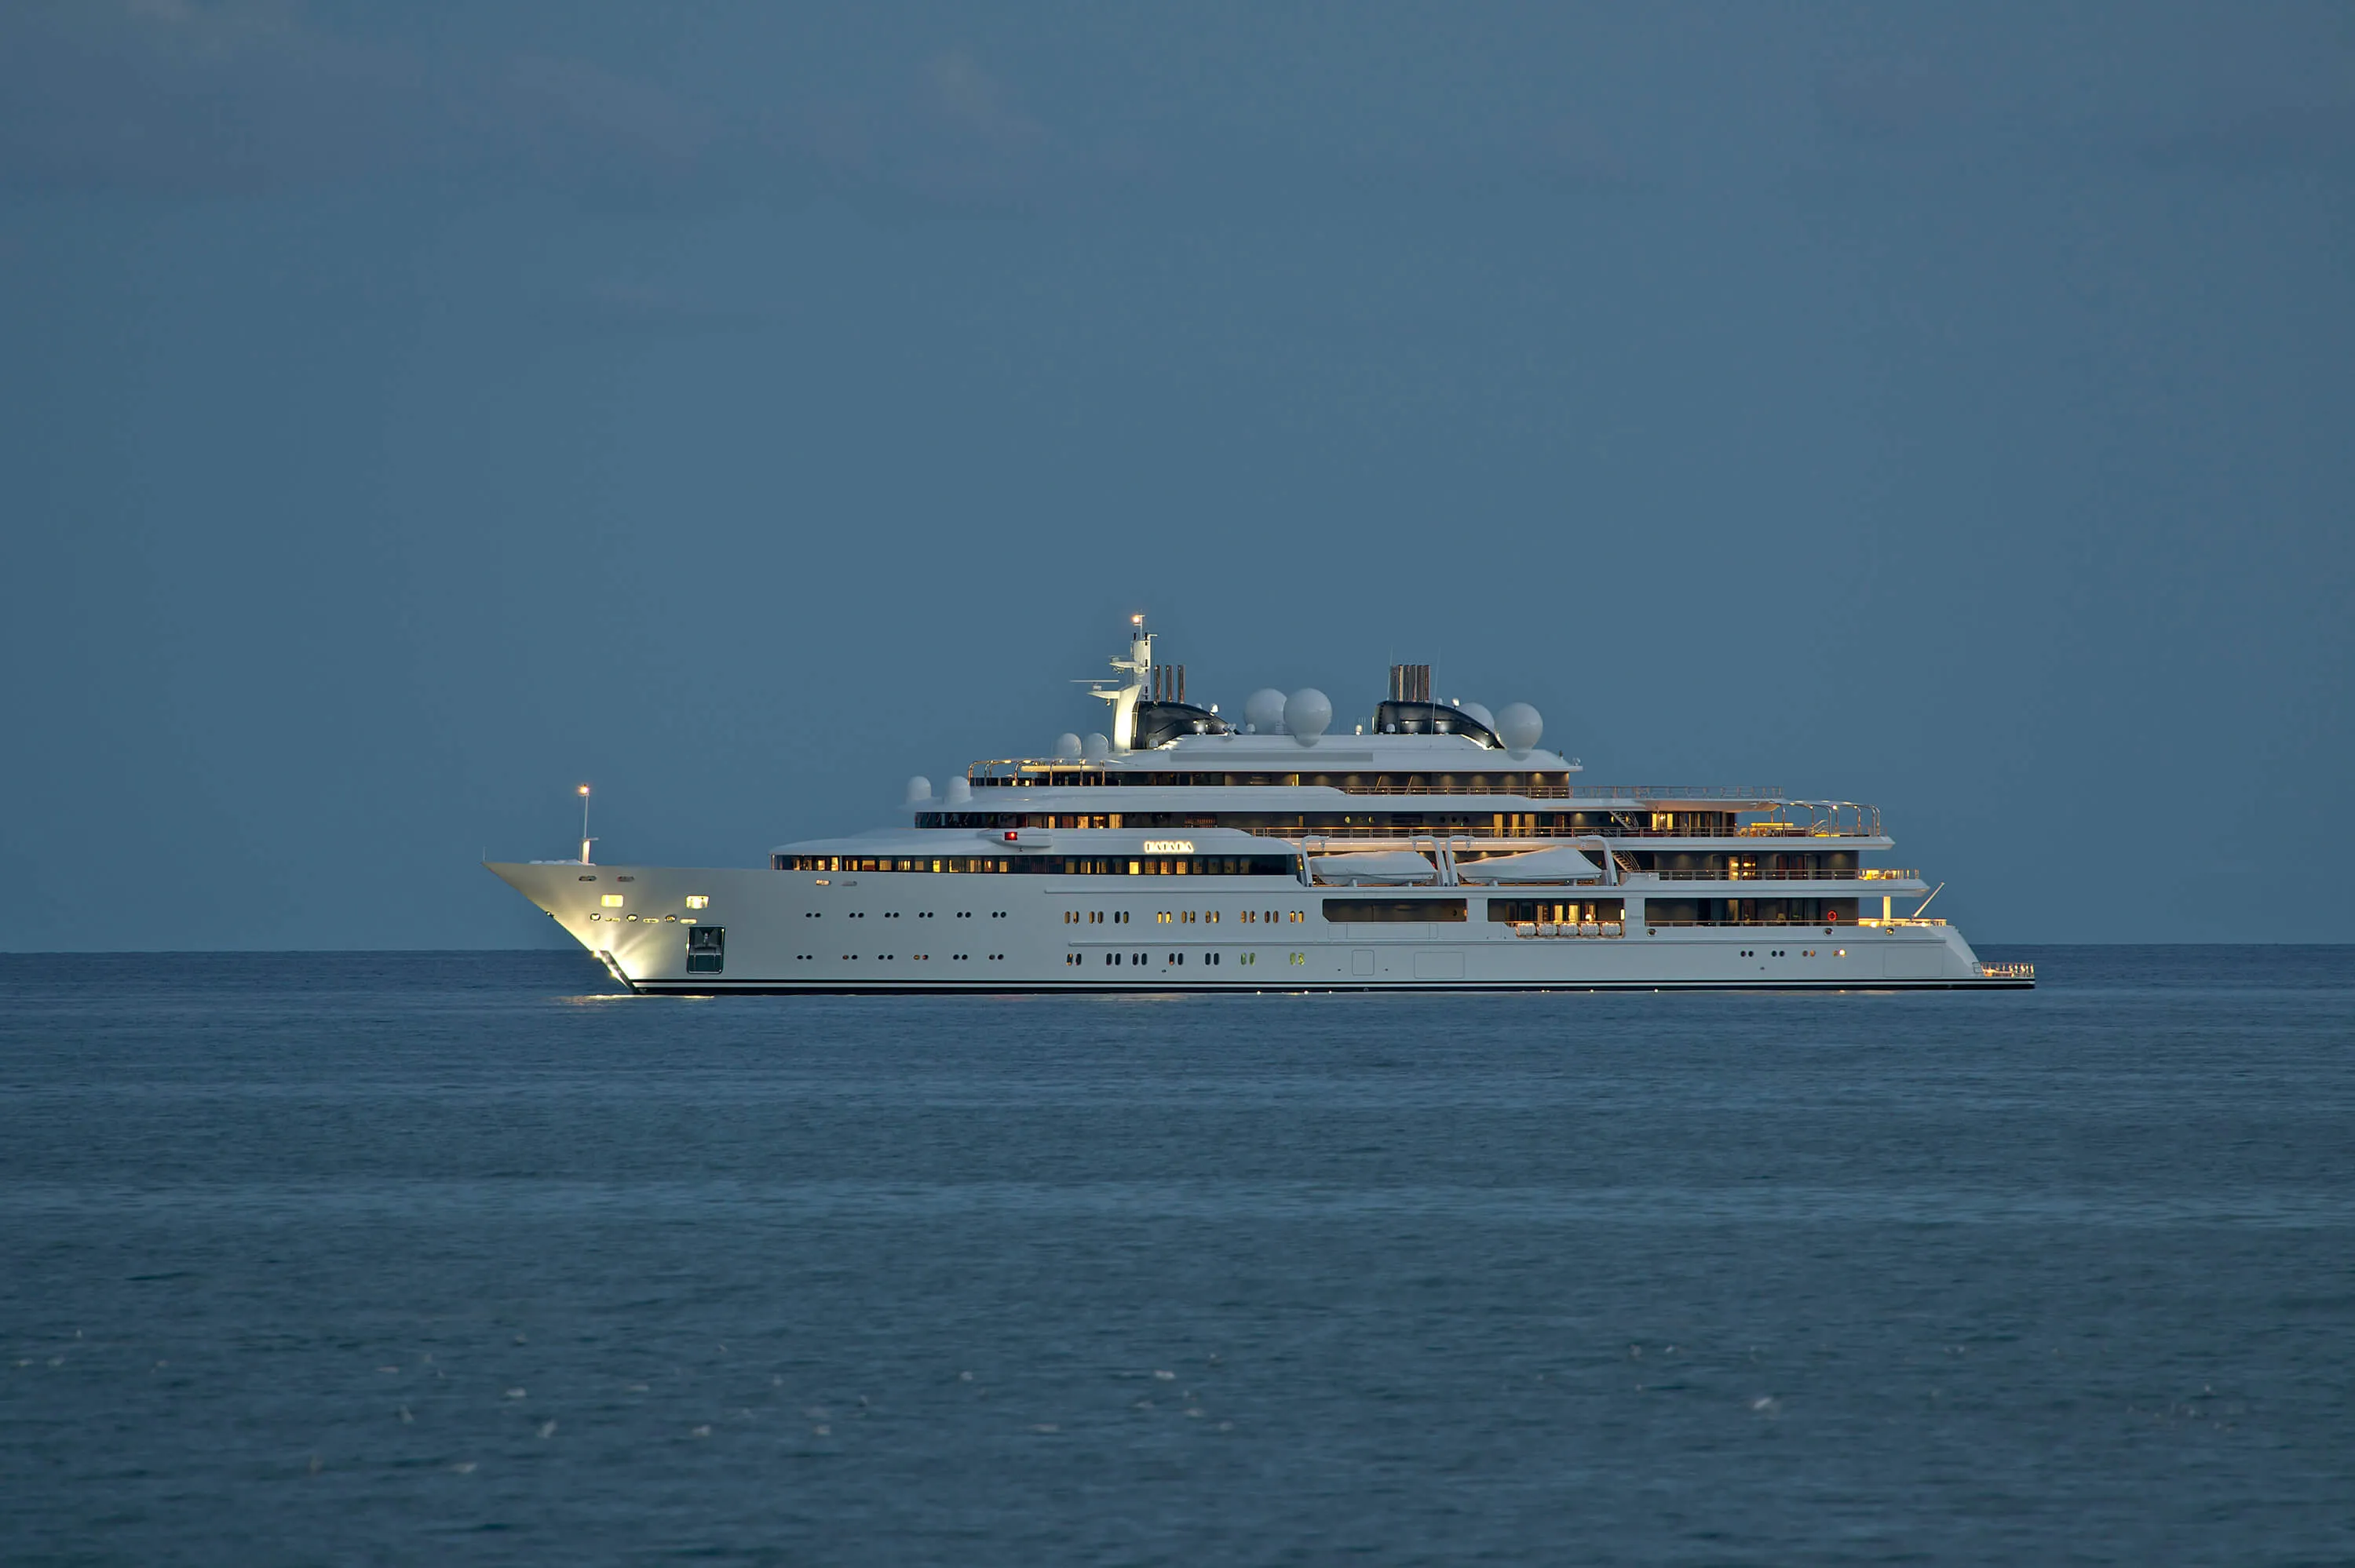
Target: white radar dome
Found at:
x=1067, y=747
x=1474, y=710
x=920, y=791
x=1263, y=711
x=1519, y=725
x=1305, y=714
x=960, y=793
x=1097, y=748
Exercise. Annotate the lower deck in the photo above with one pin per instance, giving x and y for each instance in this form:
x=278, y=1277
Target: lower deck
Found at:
x=666, y=929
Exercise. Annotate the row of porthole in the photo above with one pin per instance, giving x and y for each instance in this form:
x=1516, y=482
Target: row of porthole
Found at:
x=894, y=914
x=1075, y=960
x=1183, y=916
x=1784, y=953
x=914, y=957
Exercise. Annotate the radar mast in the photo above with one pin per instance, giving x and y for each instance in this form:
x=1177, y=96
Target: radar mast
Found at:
x=1124, y=697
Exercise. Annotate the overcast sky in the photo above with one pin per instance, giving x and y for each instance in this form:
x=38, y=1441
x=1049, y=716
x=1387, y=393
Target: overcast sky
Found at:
x=407, y=412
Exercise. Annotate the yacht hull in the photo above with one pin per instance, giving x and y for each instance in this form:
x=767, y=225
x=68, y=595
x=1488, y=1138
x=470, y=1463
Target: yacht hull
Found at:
x=913, y=932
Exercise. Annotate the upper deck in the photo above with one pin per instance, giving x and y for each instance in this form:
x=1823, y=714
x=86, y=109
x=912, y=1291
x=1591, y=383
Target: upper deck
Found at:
x=1415, y=765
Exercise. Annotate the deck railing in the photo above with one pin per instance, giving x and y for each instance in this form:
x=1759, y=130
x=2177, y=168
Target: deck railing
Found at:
x=1652, y=792
x=1546, y=830
x=1825, y=927
x=1000, y=770
x=1738, y=873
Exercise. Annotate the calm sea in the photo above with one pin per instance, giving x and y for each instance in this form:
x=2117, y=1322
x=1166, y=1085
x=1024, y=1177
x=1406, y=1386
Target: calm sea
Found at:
x=422, y=1257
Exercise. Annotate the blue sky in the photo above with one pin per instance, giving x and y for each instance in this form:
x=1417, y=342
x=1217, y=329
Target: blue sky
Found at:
x=411, y=412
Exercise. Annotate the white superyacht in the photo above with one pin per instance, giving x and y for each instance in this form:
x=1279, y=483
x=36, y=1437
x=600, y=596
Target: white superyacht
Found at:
x=1433, y=848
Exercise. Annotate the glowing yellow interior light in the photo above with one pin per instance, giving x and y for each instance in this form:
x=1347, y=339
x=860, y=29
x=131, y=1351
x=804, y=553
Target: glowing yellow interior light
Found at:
x=610, y=901
x=584, y=789
x=698, y=901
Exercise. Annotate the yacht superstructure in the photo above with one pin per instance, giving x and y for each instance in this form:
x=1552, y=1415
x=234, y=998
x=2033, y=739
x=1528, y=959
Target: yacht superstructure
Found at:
x=1435, y=848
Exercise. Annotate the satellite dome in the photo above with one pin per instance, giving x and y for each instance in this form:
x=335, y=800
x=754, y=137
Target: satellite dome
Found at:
x=960, y=793
x=920, y=791
x=1519, y=725
x=1097, y=748
x=1305, y=714
x=1263, y=711
x=1067, y=747
x=1474, y=710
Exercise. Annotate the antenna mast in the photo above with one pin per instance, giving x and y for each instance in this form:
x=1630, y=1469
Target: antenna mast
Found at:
x=1124, y=698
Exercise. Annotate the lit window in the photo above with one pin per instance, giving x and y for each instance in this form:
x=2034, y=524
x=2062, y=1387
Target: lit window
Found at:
x=610, y=901
x=698, y=901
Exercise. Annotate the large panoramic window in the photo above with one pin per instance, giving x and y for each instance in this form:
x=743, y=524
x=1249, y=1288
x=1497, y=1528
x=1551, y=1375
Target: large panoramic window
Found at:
x=1554, y=911
x=1380, y=911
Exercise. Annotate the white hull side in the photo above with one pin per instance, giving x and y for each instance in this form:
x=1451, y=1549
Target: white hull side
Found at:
x=914, y=932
